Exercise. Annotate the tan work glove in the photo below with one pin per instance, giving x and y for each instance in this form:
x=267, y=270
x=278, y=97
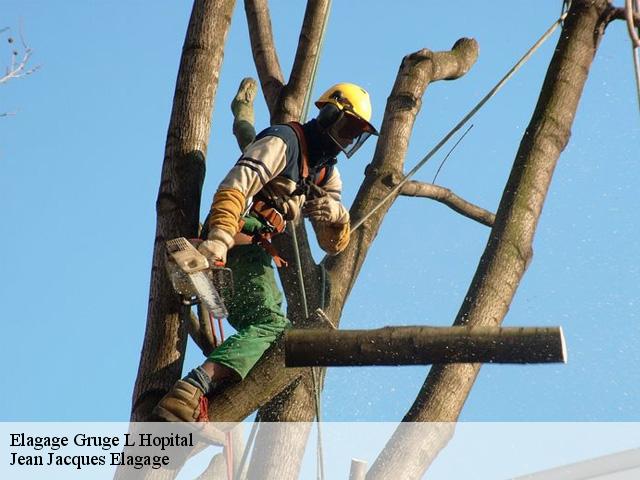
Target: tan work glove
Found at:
x=325, y=209
x=291, y=208
x=216, y=246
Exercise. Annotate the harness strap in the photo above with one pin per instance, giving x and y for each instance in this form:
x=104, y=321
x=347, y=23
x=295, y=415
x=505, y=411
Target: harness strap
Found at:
x=263, y=241
x=304, y=150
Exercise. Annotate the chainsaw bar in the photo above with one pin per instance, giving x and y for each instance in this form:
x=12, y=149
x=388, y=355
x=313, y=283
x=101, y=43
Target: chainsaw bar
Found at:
x=189, y=274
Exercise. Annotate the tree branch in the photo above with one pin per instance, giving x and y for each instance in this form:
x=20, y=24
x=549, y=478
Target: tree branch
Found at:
x=264, y=51
x=178, y=202
x=243, y=115
x=621, y=14
x=18, y=66
x=508, y=250
x=423, y=346
x=293, y=94
x=445, y=196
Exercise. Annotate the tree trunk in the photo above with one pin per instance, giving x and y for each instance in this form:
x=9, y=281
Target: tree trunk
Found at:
x=178, y=203
x=508, y=250
x=394, y=346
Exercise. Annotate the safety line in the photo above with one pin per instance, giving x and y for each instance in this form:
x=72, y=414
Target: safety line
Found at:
x=314, y=376
x=464, y=120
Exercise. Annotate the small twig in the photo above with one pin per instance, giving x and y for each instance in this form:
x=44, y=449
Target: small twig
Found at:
x=17, y=68
x=8, y=114
x=449, y=153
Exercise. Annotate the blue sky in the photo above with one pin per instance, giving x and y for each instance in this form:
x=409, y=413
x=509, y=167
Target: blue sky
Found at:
x=80, y=163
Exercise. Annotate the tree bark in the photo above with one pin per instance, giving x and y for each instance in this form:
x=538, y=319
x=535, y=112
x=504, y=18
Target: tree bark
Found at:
x=423, y=346
x=292, y=96
x=178, y=200
x=508, y=250
x=358, y=469
x=264, y=51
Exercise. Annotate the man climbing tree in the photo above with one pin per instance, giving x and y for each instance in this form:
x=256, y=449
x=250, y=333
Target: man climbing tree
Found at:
x=288, y=170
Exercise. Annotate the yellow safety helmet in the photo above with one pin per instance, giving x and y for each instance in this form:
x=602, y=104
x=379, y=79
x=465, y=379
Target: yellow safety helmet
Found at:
x=345, y=114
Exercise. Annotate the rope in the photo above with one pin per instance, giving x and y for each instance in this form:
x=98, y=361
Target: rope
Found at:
x=228, y=437
x=464, y=120
x=296, y=248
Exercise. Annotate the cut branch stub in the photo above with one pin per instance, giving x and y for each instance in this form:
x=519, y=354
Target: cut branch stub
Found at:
x=394, y=346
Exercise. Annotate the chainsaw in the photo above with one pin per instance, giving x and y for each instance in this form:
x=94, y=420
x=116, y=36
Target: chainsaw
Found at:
x=195, y=280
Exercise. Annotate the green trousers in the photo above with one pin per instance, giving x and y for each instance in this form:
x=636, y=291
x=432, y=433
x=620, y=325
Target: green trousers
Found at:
x=255, y=310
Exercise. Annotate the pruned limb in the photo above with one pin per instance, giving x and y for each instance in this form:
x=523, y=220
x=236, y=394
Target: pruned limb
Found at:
x=445, y=196
x=293, y=94
x=509, y=248
x=264, y=50
x=243, y=116
x=358, y=469
x=423, y=346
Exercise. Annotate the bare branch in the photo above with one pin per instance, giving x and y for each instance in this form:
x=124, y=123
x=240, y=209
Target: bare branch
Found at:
x=19, y=60
x=450, y=199
x=264, y=51
x=293, y=94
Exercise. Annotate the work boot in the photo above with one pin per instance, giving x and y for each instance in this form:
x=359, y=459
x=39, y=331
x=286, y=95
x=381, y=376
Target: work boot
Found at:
x=184, y=403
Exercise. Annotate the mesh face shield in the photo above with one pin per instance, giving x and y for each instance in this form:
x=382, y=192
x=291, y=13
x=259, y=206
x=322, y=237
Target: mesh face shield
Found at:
x=349, y=133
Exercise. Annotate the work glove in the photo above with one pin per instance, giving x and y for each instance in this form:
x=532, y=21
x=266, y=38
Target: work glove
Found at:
x=216, y=246
x=325, y=209
x=291, y=208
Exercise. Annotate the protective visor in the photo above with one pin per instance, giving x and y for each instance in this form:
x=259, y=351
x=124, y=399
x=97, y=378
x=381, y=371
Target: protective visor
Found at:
x=350, y=132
